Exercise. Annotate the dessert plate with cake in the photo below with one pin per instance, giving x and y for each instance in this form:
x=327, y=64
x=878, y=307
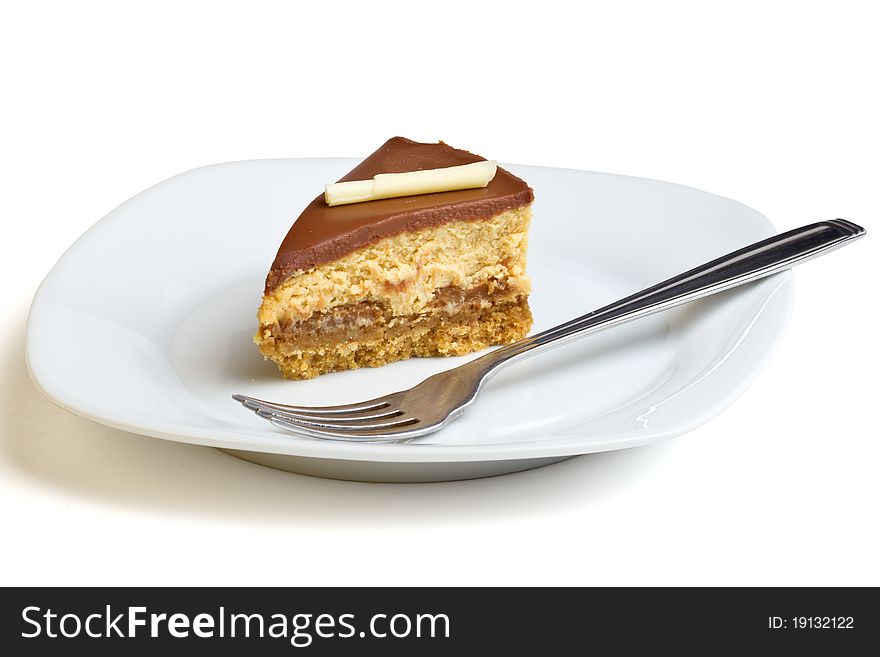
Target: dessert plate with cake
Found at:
x=412, y=261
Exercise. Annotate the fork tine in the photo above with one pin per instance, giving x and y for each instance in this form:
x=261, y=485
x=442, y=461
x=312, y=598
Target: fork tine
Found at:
x=353, y=426
x=342, y=417
x=369, y=405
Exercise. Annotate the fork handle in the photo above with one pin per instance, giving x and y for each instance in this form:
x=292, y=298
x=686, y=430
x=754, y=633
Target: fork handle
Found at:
x=748, y=264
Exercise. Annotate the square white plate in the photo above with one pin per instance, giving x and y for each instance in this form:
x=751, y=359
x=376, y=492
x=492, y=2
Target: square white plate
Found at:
x=145, y=324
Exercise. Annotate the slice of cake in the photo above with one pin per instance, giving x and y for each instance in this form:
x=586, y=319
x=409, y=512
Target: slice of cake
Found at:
x=436, y=274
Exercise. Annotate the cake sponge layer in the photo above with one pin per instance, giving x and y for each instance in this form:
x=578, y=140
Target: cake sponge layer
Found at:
x=403, y=272
x=442, y=290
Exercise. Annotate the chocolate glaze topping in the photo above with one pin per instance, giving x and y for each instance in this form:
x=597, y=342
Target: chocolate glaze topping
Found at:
x=322, y=233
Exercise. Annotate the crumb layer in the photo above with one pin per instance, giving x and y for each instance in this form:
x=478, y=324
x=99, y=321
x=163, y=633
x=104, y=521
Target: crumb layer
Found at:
x=385, y=339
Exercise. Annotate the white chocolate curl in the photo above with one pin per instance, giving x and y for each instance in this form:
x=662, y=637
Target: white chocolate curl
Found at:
x=411, y=183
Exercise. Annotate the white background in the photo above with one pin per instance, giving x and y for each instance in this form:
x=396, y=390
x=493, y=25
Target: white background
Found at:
x=774, y=104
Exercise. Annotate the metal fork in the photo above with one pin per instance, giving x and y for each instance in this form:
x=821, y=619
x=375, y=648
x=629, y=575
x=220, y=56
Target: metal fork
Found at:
x=436, y=401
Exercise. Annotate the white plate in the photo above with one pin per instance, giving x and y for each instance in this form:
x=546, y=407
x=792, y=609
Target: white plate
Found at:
x=145, y=324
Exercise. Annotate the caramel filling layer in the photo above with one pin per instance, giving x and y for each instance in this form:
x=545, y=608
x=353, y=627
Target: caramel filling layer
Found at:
x=371, y=320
